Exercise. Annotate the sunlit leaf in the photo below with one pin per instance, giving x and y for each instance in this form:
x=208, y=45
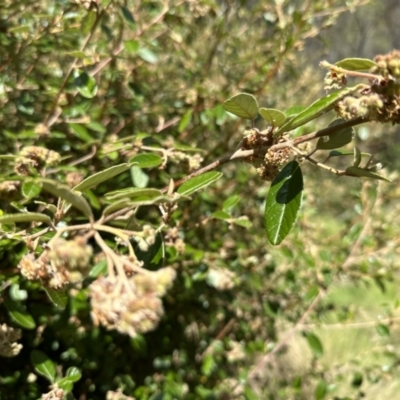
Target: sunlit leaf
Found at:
x=43, y=365
x=243, y=105
x=101, y=176
x=283, y=202
x=230, y=202
x=199, y=182
x=321, y=390
x=316, y=109
x=146, y=160
x=68, y=195
x=337, y=139
x=17, y=294
x=132, y=46
x=30, y=189
x=88, y=22
x=139, y=178
x=275, y=117
x=356, y=64
x=147, y=55
x=19, y=314
x=81, y=132
x=185, y=120
x=24, y=217
x=364, y=173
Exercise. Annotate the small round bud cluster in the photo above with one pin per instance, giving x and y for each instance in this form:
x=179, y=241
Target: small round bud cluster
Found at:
x=9, y=190
x=130, y=306
x=118, y=395
x=35, y=157
x=8, y=337
x=221, y=278
x=172, y=239
x=74, y=178
x=268, y=164
x=368, y=106
x=387, y=65
x=65, y=262
x=146, y=238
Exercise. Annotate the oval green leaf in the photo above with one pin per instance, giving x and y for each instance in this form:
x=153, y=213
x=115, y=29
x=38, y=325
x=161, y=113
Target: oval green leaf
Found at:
x=275, y=117
x=139, y=178
x=243, y=105
x=199, y=182
x=101, y=176
x=43, y=365
x=85, y=85
x=316, y=109
x=364, y=173
x=68, y=195
x=30, y=189
x=315, y=344
x=146, y=160
x=25, y=217
x=18, y=294
x=283, y=202
x=356, y=64
x=337, y=139
x=357, y=156
x=134, y=194
x=58, y=297
x=19, y=314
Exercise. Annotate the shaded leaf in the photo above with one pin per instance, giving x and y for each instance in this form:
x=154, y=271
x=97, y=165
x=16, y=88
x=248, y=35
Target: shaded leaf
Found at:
x=364, y=173
x=243, y=105
x=153, y=257
x=383, y=330
x=356, y=64
x=314, y=343
x=283, y=202
x=199, y=182
x=101, y=176
x=68, y=195
x=81, y=132
x=321, y=390
x=85, y=85
x=357, y=156
x=19, y=314
x=43, y=365
x=58, y=297
x=127, y=15
x=88, y=22
x=146, y=160
x=274, y=117
x=337, y=139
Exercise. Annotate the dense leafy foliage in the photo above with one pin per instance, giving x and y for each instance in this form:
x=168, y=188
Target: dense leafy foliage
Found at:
x=135, y=262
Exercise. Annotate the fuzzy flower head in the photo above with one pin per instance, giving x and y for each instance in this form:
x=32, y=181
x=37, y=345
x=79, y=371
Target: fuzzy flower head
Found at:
x=8, y=338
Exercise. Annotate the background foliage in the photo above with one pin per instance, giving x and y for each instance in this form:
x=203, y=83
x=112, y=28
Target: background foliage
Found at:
x=100, y=83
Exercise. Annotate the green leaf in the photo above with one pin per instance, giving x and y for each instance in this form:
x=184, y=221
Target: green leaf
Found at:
x=221, y=215
x=147, y=55
x=81, y=132
x=293, y=111
x=146, y=160
x=243, y=222
x=337, y=139
x=185, y=121
x=274, y=117
x=134, y=194
x=314, y=343
x=316, y=109
x=30, y=189
x=88, y=22
x=17, y=294
x=68, y=195
x=99, y=269
x=283, y=202
x=357, y=156
x=127, y=16
x=199, y=182
x=243, y=105
x=25, y=217
x=154, y=256
x=43, y=365
x=208, y=364
x=19, y=314
x=364, y=173
x=356, y=64
x=101, y=176
x=85, y=85
x=321, y=390
x=139, y=178
x=58, y=297
x=132, y=46
x=383, y=330
x=230, y=202
x=73, y=375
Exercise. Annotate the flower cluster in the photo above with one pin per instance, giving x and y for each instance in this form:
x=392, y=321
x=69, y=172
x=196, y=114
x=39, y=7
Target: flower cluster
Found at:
x=63, y=263
x=8, y=337
x=380, y=101
x=34, y=158
x=268, y=164
x=131, y=306
x=9, y=190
